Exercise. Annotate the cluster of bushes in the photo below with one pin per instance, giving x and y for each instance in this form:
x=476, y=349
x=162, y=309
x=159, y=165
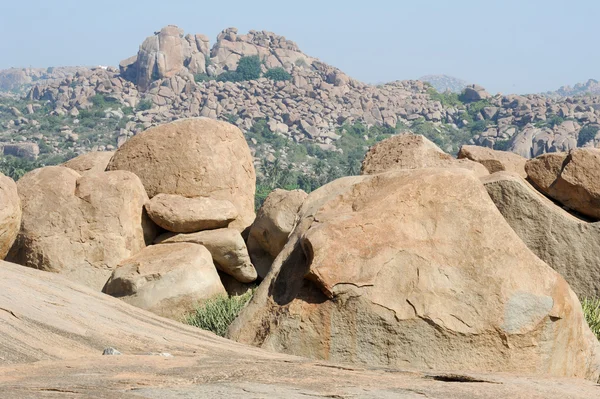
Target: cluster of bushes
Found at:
x=217, y=314
x=591, y=311
x=248, y=68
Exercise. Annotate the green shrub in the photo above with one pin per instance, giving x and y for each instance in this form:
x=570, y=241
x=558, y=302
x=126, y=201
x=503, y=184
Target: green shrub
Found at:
x=202, y=77
x=278, y=74
x=591, y=311
x=230, y=76
x=554, y=120
x=144, y=105
x=502, y=145
x=586, y=134
x=446, y=99
x=249, y=67
x=218, y=313
x=15, y=168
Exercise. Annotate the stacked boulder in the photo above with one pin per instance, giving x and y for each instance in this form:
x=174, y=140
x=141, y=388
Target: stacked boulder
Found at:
x=200, y=179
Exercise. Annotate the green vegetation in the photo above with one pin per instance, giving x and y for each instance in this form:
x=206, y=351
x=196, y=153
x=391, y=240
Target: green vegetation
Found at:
x=591, y=311
x=144, y=105
x=230, y=76
x=218, y=313
x=278, y=74
x=586, y=134
x=15, y=168
x=248, y=68
x=502, y=145
x=202, y=77
x=446, y=99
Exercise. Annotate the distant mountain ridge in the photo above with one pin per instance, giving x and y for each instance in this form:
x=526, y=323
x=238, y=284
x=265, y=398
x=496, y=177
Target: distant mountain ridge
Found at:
x=444, y=83
x=591, y=87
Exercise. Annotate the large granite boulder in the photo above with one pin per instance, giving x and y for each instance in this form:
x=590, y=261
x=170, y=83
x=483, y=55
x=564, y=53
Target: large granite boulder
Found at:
x=572, y=179
x=196, y=157
x=411, y=151
x=95, y=161
x=168, y=280
x=10, y=214
x=80, y=226
x=494, y=161
x=274, y=222
x=188, y=215
x=569, y=245
x=226, y=246
x=417, y=268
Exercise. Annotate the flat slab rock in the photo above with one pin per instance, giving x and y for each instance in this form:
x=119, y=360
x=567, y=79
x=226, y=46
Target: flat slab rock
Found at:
x=54, y=331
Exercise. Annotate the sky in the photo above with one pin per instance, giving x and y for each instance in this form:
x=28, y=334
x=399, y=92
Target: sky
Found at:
x=507, y=46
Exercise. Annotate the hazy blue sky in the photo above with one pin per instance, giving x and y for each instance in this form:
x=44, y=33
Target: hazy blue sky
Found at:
x=508, y=46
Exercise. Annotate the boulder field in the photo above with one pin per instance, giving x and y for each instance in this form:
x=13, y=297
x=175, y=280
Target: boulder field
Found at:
x=453, y=270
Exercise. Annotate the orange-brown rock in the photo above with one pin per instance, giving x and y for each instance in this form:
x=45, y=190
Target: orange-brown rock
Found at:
x=10, y=214
x=80, y=226
x=411, y=151
x=417, y=268
x=95, y=161
x=494, y=161
x=168, y=280
x=197, y=157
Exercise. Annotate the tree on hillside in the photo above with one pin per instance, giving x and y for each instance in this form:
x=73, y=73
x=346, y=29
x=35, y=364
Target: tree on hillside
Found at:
x=249, y=67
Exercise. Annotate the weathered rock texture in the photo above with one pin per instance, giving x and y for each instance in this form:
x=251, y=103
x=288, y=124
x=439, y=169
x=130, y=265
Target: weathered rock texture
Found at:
x=196, y=157
x=54, y=331
x=95, y=161
x=494, y=161
x=410, y=151
x=227, y=248
x=10, y=214
x=168, y=280
x=572, y=179
x=188, y=215
x=567, y=244
x=417, y=268
x=274, y=223
x=79, y=226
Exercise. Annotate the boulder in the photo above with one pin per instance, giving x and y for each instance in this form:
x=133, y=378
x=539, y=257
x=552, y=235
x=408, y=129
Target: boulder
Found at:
x=80, y=226
x=95, y=161
x=569, y=245
x=227, y=248
x=10, y=214
x=188, y=215
x=196, y=157
x=494, y=161
x=574, y=183
x=274, y=223
x=168, y=280
x=417, y=268
x=411, y=151
x=473, y=93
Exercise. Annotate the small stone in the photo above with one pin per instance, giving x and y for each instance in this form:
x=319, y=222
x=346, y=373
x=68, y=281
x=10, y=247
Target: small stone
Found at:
x=111, y=352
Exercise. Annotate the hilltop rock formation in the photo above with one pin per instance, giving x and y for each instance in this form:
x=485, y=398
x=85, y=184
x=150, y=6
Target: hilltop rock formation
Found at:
x=168, y=280
x=417, y=268
x=10, y=214
x=569, y=245
x=193, y=158
x=410, y=151
x=571, y=179
x=80, y=226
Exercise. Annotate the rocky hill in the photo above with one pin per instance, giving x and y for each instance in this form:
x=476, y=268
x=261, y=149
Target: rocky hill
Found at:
x=444, y=83
x=591, y=87
x=298, y=113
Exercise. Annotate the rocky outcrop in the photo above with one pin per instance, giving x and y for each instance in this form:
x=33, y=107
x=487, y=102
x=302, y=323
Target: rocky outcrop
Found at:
x=417, y=268
x=494, y=161
x=80, y=226
x=196, y=157
x=473, y=93
x=274, y=223
x=227, y=248
x=10, y=214
x=93, y=162
x=569, y=245
x=50, y=323
x=188, y=215
x=168, y=280
x=21, y=150
x=571, y=179
x=410, y=151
